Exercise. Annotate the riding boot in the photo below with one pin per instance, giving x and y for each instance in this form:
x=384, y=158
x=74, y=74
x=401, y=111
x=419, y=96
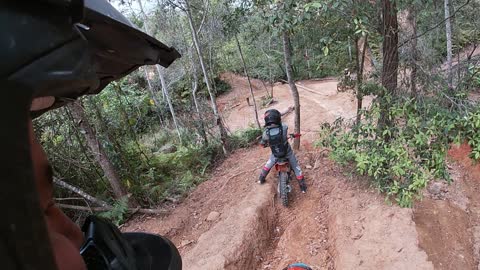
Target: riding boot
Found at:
x=263, y=175
x=302, y=184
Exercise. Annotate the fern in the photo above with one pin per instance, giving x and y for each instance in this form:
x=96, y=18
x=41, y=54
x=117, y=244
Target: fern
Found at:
x=117, y=213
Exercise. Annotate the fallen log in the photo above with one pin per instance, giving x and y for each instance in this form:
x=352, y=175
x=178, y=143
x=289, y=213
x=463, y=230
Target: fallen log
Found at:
x=306, y=88
x=79, y=191
x=287, y=111
x=108, y=208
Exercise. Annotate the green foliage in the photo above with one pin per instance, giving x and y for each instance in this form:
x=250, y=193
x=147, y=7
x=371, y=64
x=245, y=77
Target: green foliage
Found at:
x=474, y=75
x=221, y=86
x=149, y=160
x=469, y=129
x=117, y=213
x=171, y=169
x=415, y=150
x=245, y=138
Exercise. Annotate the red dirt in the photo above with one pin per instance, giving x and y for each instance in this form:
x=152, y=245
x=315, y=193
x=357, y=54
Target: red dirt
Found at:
x=340, y=223
x=449, y=222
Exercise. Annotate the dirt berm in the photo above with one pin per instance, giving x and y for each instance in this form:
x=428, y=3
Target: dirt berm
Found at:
x=239, y=237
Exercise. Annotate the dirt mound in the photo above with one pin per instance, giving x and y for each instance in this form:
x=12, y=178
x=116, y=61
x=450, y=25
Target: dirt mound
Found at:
x=448, y=219
x=241, y=230
x=369, y=234
x=239, y=237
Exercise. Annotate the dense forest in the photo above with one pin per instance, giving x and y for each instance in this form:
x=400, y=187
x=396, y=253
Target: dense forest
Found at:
x=156, y=134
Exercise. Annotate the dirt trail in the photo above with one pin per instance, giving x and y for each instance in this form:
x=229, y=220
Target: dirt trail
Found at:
x=230, y=222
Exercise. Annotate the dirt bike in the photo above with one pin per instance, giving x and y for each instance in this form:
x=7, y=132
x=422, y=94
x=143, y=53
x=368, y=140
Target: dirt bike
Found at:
x=346, y=83
x=284, y=176
x=282, y=166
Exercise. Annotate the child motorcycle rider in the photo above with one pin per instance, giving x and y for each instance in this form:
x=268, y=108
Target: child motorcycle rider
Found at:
x=276, y=136
x=53, y=52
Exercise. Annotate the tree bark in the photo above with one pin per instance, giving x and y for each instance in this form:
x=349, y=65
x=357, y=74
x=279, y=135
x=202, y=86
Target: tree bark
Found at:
x=96, y=148
x=390, y=44
x=249, y=82
x=169, y=102
x=360, y=70
x=218, y=120
x=448, y=32
x=390, y=58
x=293, y=88
x=203, y=133
x=412, y=20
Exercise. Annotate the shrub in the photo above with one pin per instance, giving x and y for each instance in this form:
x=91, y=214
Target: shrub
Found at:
x=244, y=138
x=415, y=150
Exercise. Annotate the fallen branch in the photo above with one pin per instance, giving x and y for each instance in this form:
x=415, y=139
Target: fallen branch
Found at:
x=305, y=88
x=70, y=199
x=108, y=208
x=79, y=191
x=289, y=110
x=469, y=57
x=172, y=200
x=270, y=102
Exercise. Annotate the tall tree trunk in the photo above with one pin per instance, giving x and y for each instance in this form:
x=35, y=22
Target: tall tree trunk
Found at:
x=218, y=120
x=390, y=58
x=360, y=68
x=96, y=148
x=293, y=88
x=412, y=21
x=307, y=56
x=200, y=124
x=195, y=100
x=448, y=32
x=169, y=101
x=350, y=50
x=165, y=92
x=249, y=82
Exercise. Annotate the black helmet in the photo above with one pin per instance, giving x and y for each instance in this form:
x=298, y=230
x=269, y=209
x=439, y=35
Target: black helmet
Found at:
x=69, y=48
x=272, y=117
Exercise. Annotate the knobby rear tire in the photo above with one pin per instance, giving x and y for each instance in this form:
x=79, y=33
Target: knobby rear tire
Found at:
x=283, y=179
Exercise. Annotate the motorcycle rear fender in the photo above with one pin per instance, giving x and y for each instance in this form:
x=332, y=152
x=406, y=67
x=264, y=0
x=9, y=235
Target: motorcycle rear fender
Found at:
x=282, y=166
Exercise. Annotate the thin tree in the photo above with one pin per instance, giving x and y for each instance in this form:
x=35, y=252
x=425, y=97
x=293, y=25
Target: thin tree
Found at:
x=218, y=120
x=248, y=79
x=448, y=33
x=360, y=70
x=287, y=52
x=195, y=99
x=161, y=76
x=98, y=152
x=412, y=21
